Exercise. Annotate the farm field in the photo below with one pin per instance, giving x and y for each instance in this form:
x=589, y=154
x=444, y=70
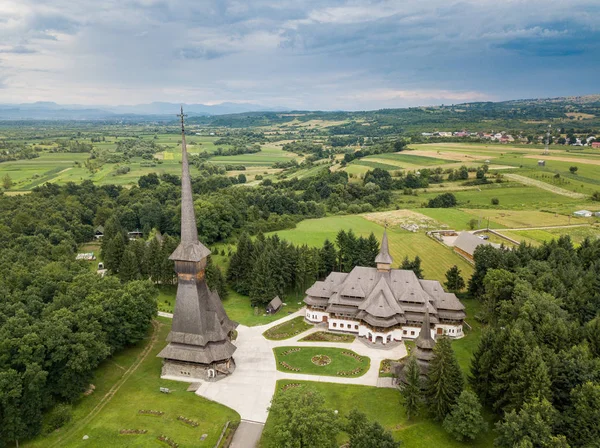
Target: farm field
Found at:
x=436, y=259
x=537, y=237
x=101, y=417
x=520, y=218
x=384, y=406
x=334, y=361
x=511, y=195
x=69, y=167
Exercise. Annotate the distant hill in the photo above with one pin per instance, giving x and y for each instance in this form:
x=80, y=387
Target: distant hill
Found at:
x=580, y=108
x=45, y=110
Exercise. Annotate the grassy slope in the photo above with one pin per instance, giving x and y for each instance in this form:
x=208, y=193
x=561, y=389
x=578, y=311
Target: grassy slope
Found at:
x=141, y=391
x=339, y=362
x=436, y=259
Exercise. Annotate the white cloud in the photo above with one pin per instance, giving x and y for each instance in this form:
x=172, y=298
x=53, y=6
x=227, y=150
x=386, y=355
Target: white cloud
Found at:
x=310, y=54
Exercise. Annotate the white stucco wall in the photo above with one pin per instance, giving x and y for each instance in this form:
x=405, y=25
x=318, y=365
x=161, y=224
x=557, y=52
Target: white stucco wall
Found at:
x=315, y=316
x=397, y=334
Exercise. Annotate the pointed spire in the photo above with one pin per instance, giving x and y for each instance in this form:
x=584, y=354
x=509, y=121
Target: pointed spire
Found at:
x=190, y=249
x=384, y=256
x=425, y=340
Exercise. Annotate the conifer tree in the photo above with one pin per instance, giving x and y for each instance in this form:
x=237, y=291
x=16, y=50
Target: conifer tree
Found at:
x=264, y=286
x=373, y=249
x=167, y=272
x=583, y=417
x=241, y=264
x=454, y=281
x=328, y=258
x=113, y=252
x=152, y=261
x=412, y=391
x=444, y=380
x=483, y=363
x=129, y=268
x=414, y=266
x=215, y=279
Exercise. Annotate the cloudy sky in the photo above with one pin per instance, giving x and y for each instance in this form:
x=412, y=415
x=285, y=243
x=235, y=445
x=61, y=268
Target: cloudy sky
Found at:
x=323, y=54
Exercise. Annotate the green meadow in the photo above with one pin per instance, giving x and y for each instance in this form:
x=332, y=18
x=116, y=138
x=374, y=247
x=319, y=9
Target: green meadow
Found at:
x=436, y=259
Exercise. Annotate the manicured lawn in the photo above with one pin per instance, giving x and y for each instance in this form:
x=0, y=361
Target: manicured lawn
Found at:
x=384, y=406
x=436, y=259
x=140, y=391
x=338, y=362
x=325, y=336
x=287, y=329
x=239, y=309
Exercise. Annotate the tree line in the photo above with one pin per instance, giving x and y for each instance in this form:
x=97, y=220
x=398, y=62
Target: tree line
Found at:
x=58, y=320
x=537, y=365
x=268, y=266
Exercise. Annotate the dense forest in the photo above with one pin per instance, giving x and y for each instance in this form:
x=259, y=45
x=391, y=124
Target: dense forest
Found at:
x=538, y=363
x=58, y=319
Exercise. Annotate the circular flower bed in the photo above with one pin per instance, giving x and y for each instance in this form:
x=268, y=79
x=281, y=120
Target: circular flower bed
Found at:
x=321, y=360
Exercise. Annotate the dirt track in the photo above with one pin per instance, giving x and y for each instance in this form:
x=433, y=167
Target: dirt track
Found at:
x=545, y=186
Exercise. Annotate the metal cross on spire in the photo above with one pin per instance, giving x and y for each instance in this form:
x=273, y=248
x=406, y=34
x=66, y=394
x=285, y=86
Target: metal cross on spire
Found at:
x=182, y=115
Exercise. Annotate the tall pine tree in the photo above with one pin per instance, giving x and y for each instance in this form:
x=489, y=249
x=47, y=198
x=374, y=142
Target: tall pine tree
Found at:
x=444, y=380
x=412, y=391
x=328, y=258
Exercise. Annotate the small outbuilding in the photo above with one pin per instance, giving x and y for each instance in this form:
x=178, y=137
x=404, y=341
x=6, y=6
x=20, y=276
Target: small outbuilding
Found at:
x=583, y=214
x=466, y=243
x=99, y=232
x=274, y=305
x=541, y=163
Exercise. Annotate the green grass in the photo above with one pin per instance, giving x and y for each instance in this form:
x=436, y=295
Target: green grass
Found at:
x=413, y=159
x=236, y=305
x=383, y=405
x=325, y=336
x=287, y=329
x=536, y=237
x=340, y=361
x=372, y=165
x=454, y=218
x=140, y=391
x=436, y=259
x=466, y=346
x=524, y=218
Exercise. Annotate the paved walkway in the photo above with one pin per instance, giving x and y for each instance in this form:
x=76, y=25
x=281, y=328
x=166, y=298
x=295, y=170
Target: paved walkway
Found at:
x=250, y=389
x=247, y=435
